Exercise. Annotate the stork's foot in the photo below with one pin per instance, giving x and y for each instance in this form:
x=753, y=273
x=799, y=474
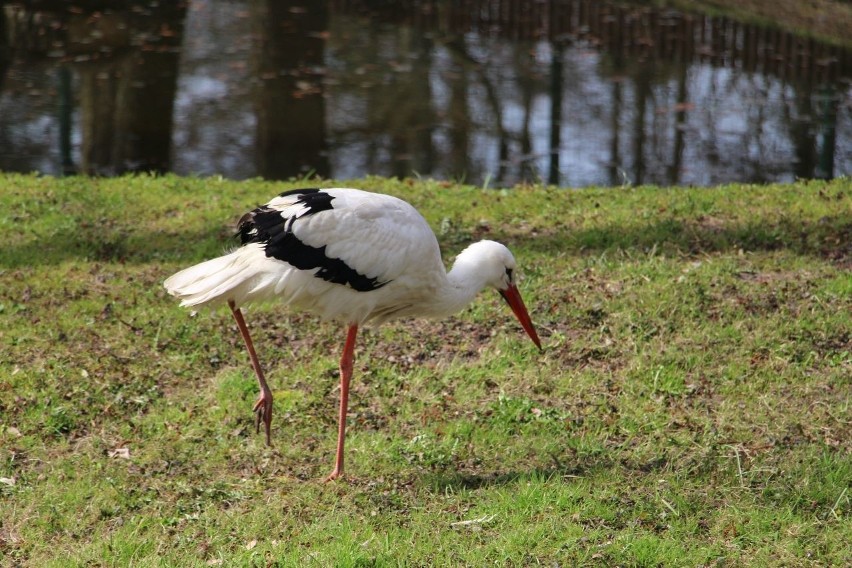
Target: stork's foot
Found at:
x=335, y=475
x=263, y=411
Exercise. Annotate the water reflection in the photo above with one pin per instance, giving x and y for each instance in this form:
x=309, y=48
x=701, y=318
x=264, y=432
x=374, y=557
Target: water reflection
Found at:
x=288, y=87
x=88, y=90
x=572, y=92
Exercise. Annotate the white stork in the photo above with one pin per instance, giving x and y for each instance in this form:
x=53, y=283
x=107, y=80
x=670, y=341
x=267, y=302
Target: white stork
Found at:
x=349, y=256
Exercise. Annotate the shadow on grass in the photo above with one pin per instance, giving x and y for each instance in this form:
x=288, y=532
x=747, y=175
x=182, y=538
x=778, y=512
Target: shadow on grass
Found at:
x=829, y=238
x=440, y=481
x=123, y=247
x=566, y=468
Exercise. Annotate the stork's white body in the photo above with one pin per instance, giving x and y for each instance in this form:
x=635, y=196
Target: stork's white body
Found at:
x=346, y=255
x=379, y=236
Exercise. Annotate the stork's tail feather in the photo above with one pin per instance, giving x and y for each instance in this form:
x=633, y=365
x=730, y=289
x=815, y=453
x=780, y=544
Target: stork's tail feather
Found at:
x=235, y=276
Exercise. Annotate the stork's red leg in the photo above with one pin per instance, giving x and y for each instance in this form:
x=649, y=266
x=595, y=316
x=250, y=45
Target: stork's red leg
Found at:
x=263, y=406
x=346, y=364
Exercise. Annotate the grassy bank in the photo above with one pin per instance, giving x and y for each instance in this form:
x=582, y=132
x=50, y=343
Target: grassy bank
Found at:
x=691, y=406
x=825, y=20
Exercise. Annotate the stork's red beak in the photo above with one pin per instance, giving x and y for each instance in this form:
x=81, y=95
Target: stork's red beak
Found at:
x=513, y=298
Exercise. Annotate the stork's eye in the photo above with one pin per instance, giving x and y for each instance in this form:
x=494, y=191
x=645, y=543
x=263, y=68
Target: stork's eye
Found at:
x=509, y=275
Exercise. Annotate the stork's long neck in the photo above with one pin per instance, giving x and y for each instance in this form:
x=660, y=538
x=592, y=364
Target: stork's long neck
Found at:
x=463, y=282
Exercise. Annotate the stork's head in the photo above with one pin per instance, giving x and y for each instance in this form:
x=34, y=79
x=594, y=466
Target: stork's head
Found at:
x=497, y=267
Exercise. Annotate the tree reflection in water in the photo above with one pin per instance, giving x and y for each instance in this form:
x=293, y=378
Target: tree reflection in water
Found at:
x=570, y=92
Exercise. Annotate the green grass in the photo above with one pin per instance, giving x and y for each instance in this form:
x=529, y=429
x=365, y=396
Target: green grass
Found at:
x=820, y=19
x=691, y=407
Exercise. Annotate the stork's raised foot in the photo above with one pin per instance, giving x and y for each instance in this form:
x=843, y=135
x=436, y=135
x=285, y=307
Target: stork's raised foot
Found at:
x=263, y=411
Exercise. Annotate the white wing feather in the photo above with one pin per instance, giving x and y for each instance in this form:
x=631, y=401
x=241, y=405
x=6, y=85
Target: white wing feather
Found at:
x=377, y=235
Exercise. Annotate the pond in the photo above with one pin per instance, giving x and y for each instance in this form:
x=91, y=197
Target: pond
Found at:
x=491, y=92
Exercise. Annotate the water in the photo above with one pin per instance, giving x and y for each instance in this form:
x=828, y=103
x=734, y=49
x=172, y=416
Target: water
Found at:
x=570, y=92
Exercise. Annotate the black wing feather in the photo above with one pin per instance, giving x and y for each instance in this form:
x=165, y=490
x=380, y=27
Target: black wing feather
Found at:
x=269, y=227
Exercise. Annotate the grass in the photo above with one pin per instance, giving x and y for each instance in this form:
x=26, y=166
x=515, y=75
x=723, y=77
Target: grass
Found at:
x=824, y=20
x=691, y=407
